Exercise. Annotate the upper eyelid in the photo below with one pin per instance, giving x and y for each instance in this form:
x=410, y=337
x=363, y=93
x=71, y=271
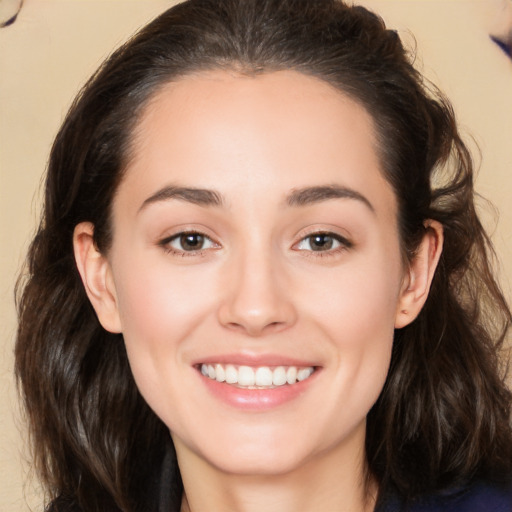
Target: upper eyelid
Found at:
x=346, y=238
x=345, y=244
x=165, y=244
x=181, y=233
x=342, y=238
x=339, y=238
x=186, y=231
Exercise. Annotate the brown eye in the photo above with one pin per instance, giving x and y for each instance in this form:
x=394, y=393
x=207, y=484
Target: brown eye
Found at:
x=188, y=242
x=323, y=242
x=191, y=241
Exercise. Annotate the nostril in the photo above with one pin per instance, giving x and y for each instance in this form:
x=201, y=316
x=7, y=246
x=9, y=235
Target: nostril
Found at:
x=256, y=305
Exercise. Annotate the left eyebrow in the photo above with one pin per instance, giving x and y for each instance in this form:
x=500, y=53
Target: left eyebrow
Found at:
x=311, y=195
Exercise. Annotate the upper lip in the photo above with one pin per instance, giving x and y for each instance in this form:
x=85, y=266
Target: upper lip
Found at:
x=249, y=359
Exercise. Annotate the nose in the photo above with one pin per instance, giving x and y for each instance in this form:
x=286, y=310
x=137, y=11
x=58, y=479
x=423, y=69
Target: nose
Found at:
x=257, y=298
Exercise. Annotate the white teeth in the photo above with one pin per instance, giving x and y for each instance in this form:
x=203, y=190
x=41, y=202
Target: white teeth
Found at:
x=279, y=376
x=246, y=376
x=231, y=374
x=220, y=374
x=263, y=376
x=260, y=377
x=304, y=373
x=291, y=375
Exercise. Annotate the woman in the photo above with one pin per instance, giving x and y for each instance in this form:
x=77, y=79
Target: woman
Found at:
x=260, y=282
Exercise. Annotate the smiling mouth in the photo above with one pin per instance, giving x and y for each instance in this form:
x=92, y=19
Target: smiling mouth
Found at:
x=261, y=377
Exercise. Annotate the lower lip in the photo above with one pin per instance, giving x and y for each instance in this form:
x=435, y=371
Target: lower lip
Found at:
x=257, y=399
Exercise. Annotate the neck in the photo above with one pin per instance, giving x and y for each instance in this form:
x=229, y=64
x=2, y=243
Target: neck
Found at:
x=335, y=481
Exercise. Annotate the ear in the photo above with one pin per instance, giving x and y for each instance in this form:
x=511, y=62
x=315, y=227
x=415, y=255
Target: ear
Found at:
x=97, y=278
x=418, y=279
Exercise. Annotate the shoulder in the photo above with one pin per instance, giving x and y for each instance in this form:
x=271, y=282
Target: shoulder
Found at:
x=478, y=496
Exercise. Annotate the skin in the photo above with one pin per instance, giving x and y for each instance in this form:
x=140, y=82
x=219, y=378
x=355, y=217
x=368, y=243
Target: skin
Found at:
x=257, y=287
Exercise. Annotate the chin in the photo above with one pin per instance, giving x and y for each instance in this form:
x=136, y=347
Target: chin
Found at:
x=261, y=453
x=270, y=463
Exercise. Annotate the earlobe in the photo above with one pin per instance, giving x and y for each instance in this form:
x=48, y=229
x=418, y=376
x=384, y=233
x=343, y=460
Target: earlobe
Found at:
x=416, y=285
x=95, y=271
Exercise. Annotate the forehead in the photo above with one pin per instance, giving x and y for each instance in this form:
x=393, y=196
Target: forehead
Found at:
x=279, y=130
x=300, y=103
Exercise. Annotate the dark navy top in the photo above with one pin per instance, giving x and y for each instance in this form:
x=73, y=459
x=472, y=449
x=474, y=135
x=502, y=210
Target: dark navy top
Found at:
x=476, y=497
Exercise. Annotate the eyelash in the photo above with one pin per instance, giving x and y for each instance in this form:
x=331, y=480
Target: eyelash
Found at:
x=166, y=244
x=344, y=244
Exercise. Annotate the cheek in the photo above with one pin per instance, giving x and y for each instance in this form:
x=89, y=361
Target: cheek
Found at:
x=357, y=300
x=356, y=311
x=160, y=305
x=155, y=294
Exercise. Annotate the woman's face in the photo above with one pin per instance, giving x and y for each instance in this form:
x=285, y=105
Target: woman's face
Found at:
x=255, y=242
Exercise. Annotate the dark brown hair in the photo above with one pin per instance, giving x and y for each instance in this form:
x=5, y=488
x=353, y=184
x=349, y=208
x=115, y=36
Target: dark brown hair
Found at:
x=444, y=414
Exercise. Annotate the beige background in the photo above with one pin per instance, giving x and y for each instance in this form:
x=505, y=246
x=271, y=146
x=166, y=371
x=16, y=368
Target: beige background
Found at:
x=55, y=44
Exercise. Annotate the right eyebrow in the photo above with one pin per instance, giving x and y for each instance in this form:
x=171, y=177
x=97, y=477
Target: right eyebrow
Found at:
x=199, y=196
